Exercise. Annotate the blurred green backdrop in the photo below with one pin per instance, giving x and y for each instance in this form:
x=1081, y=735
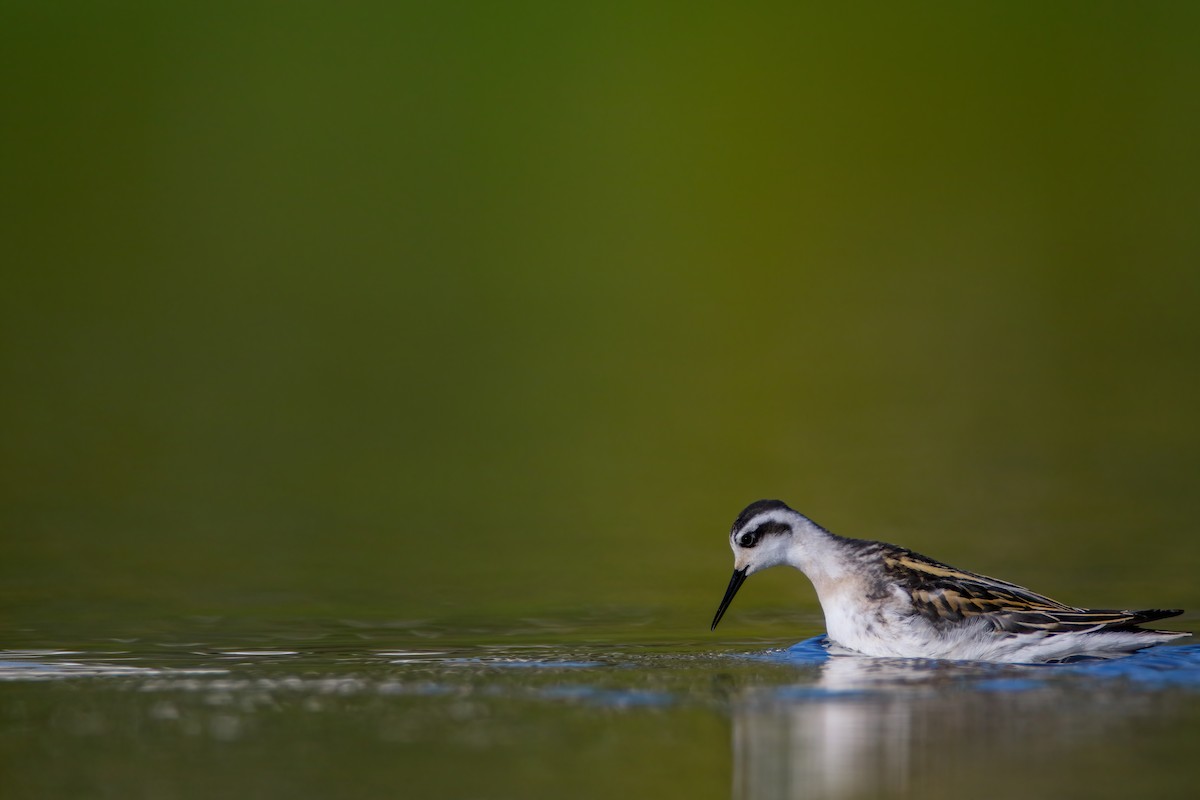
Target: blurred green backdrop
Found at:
x=437, y=310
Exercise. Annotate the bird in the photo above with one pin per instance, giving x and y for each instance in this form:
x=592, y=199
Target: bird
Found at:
x=884, y=600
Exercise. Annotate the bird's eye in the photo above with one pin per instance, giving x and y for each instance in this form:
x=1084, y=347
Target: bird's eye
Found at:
x=748, y=539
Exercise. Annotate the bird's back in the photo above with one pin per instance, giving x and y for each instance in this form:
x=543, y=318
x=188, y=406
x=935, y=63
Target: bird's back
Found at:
x=961, y=610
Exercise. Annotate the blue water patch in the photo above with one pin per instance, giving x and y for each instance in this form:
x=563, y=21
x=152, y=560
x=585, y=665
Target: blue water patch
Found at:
x=611, y=698
x=1162, y=666
x=810, y=651
x=1165, y=665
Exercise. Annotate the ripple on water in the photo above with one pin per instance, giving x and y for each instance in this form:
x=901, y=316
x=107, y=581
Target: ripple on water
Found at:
x=602, y=675
x=1155, y=667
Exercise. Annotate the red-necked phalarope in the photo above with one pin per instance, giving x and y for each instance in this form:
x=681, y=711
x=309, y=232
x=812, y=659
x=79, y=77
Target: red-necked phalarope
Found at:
x=884, y=600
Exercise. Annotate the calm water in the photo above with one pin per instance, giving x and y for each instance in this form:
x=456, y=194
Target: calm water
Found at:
x=361, y=711
x=378, y=384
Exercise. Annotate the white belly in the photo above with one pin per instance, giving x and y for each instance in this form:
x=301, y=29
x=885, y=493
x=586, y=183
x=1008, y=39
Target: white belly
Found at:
x=889, y=628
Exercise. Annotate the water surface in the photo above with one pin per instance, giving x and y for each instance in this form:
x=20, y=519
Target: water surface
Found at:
x=378, y=383
x=364, y=711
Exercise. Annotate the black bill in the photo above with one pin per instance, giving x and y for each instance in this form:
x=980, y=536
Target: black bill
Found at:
x=735, y=583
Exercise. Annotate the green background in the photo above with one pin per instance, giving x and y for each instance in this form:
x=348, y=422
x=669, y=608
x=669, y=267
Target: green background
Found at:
x=409, y=342
x=447, y=310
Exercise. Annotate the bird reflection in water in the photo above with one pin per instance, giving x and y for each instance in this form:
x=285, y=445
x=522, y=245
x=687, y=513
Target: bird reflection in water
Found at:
x=874, y=727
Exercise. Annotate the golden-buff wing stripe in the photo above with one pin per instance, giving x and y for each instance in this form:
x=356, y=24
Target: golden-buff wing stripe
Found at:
x=944, y=594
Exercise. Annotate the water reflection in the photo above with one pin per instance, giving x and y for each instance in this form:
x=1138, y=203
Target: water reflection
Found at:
x=44, y=665
x=883, y=727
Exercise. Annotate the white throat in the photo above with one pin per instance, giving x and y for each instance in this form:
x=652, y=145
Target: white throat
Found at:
x=818, y=554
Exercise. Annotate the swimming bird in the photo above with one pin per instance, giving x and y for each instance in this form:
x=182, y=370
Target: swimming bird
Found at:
x=883, y=600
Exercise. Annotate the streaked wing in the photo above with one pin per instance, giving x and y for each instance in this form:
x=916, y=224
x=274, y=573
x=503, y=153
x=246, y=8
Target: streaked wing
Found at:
x=941, y=593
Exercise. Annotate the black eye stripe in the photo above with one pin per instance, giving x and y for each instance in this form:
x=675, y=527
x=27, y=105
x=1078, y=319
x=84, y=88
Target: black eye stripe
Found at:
x=752, y=537
x=772, y=527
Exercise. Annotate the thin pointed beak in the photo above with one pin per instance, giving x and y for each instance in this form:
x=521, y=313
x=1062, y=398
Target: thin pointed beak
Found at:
x=735, y=583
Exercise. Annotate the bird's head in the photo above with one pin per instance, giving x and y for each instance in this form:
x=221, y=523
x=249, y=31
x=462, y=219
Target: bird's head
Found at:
x=761, y=537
